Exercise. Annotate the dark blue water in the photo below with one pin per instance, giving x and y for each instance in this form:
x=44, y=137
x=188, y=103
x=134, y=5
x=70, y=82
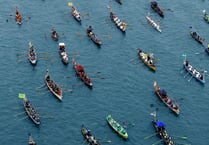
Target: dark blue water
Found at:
x=126, y=92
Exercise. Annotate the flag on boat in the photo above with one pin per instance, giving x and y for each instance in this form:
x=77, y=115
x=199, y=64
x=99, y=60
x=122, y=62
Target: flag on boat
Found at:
x=21, y=95
x=70, y=4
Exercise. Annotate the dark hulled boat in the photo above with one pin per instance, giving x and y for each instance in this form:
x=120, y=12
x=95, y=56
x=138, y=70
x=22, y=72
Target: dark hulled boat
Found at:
x=93, y=36
x=156, y=8
x=55, y=35
x=197, y=37
x=162, y=133
x=79, y=69
x=88, y=136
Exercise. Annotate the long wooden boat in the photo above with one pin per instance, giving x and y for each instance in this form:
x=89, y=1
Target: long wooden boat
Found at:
x=205, y=16
x=154, y=5
x=31, y=140
x=147, y=59
x=31, y=111
x=88, y=136
x=121, y=25
x=54, y=35
x=197, y=37
x=170, y=103
x=63, y=53
x=79, y=69
x=76, y=14
x=32, y=55
x=18, y=17
x=93, y=36
x=162, y=133
x=117, y=127
x=53, y=87
x=200, y=76
x=153, y=23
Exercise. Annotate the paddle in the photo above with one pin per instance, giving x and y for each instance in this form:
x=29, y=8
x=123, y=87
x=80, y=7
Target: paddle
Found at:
x=147, y=137
x=97, y=78
x=107, y=141
x=182, y=137
x=19, y=114
x=157, y=142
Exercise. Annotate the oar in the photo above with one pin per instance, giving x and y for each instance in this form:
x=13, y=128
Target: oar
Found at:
x=107, y=141
x=23, y=118
x=190, y=79
x=182, y=137
x=19, y=114
x=157, y=142
x=97, y=78
x=147, y=137
x=186, y=74
x=44, y=85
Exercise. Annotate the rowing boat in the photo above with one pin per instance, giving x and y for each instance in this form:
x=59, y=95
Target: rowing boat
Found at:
x=117, y=127
x=18, y=17
x=162, y=133
x=54, y=35
x=200, y=76
x=30, y=140
x=79, y=69
x=121, y=25
x=76, y=14
x=30, y=110
x=163, y=96
x=147, y=59
x=93, y=36
x=53, y=87
x=197, y=37
x=63, y=53
x=153, y=23
x=154, y=5
x=88, y=136
x=32, y=55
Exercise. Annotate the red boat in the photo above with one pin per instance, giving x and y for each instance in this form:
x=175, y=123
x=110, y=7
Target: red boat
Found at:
x=18, y=17
x=79, y=69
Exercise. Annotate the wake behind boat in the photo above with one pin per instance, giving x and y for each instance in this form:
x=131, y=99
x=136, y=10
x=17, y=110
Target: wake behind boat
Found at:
x=30, y=110
x=156, y=8
x=121, y=25
x=53, y=87
x=30, y=140
x=79, y=69
x=153, y=23
x=147, y=59
x=162, y=94
x=200, y=76
x=88, y=136
x=93, y=36
x=32, y=55
x=117, y=127
x=63, y=53
x=162, y=133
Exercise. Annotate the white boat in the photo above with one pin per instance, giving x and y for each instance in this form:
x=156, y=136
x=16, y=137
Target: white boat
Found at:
x=153, y=23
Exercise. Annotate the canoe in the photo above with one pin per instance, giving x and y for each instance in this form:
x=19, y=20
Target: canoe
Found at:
x=119, y=1
x=121, y=25
x=162, y=133
x=163, y=96
x=55, y=35
x=93, y=37
x=117, y=127
x=63, y=53
x=197, y=37
x=147, y=59
x=79, y=69
x=200, y=76
x=31, y=111
x=32, y=55
x=205, y=16
x=153, y=23
x=88, y=136
x=76, y=14
x=30, y=140
x=154, y=5
x=18, y=17
x=53, y=87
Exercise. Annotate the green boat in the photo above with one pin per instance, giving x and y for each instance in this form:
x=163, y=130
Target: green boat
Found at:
x=117, y=127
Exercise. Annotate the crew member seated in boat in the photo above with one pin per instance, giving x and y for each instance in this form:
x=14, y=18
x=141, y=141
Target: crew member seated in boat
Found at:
x=90, y=29
x=18, y=16
x=48, y=78
x=186, y=62
x=112, y=15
